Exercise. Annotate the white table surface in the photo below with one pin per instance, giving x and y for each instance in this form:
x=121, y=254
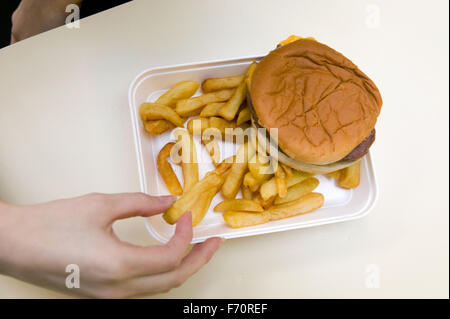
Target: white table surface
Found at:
x=65, y=130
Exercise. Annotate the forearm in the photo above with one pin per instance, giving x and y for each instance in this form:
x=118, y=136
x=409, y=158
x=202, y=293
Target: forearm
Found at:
x=5, y=241
x=35, y=16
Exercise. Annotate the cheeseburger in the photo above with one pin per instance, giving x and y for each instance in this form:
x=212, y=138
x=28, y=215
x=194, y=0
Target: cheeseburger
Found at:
x=324, y=107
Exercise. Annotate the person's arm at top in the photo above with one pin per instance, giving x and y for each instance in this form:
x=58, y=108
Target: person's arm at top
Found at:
x=35, y=16
x=38, y=242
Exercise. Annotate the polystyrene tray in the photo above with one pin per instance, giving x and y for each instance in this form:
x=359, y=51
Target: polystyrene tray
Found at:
x=340, y=204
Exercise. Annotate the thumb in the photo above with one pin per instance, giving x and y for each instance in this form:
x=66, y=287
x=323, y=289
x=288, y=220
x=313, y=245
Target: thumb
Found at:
x=137, y=204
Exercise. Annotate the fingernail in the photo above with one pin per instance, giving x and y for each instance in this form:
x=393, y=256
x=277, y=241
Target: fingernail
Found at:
x=167, y=199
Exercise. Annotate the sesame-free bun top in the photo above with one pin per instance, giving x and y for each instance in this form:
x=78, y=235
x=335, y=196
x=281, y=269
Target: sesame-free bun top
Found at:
x=321, y=103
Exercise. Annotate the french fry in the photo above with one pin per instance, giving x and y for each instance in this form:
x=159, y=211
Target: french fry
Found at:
x=259, y=170
x=211, y=109
x=280, y=179
x=350, y=176
x=239, y=204
x=181, y=90
x=298, y=190
x=229, y=110
x=234, y=178
x=214, y=151
x=264, y=203
x=157, y=127
x=155, y=111
x=166, y=170
x=251, y=182
x=224, y=165
x=249, y=74
x=288, y=170
x=302, y=205
x=246, y=192
x=189, y=163
x=244, y=115
x=196, y=126
x=245, y=219
x=215, y=84
x=200, y=207
x=221, y=124
x=269, y=188
x=185, y=202
x=187, y=106
x=335, y=174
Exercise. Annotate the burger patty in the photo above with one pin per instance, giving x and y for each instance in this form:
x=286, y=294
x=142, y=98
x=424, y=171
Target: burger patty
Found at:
x=362, y=149
x=358, y=152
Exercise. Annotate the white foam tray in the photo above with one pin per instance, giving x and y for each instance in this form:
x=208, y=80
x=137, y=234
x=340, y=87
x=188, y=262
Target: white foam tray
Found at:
x=340, y=204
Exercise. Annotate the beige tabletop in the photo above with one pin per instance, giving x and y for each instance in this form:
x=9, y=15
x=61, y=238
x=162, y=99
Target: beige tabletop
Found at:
x=65, y=130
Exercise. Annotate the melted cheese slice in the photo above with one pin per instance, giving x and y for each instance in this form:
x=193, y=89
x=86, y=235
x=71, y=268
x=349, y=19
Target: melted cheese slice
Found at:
x=293, y=38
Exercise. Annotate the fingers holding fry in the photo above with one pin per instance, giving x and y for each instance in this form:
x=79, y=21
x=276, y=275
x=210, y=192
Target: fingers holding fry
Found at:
x=201, y=206
x=185, y=202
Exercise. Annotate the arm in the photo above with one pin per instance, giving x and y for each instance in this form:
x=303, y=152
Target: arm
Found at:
x=38, y=242
x=35, y=16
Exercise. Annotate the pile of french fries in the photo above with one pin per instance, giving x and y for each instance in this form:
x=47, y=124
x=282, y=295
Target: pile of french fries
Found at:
x=270, y=190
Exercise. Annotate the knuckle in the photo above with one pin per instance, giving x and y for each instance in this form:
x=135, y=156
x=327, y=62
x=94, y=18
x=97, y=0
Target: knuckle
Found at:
x=116, y=271
x=173, y=261
x=178, y=280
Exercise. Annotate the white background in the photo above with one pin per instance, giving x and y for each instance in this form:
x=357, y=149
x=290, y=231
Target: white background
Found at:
x=65, y=130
